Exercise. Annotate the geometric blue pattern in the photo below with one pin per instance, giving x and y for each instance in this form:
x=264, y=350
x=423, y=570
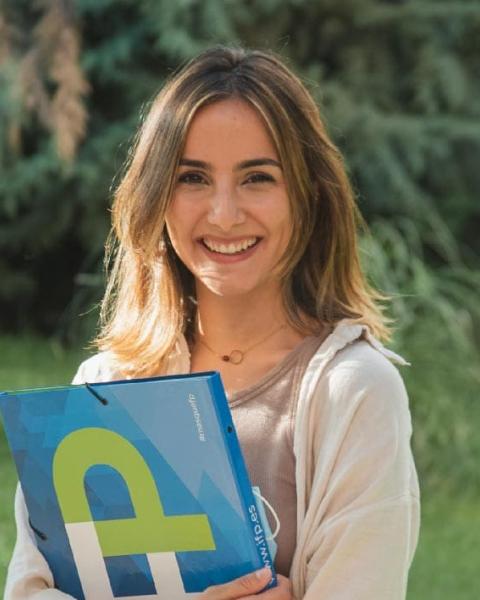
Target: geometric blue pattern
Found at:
x=182, y=427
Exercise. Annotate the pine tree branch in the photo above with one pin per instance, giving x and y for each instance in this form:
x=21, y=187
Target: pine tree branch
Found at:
x=5, y=40
x=31, y=86
x=59, y=39
x=9, y=38
x=454, y=127
x=419, y=10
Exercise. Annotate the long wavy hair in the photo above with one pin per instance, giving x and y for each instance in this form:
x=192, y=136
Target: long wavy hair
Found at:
x=150, y=296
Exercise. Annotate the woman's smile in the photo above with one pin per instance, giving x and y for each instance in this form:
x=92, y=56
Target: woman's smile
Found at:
x=229, y=246
x=228, y=251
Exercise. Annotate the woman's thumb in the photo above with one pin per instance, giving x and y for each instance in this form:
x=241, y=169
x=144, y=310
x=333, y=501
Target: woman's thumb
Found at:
x=243, y=586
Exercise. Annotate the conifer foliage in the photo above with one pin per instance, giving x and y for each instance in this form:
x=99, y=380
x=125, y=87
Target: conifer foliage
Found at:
x=46, y=78
x=399, y=85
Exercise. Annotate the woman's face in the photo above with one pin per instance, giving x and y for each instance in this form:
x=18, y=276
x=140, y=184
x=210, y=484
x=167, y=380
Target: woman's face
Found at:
x=229, y=219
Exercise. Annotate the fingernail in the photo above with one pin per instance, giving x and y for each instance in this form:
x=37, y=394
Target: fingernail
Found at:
x=262, y=573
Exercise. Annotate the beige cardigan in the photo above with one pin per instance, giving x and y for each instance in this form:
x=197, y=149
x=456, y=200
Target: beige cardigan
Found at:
x=358, y=499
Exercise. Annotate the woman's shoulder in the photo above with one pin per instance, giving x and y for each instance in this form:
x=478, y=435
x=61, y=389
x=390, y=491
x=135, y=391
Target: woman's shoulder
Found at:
x=99, y=367
x=363, y=379
x=365, y=362
x=351, y=347
x=358, y=382
x=352, y=367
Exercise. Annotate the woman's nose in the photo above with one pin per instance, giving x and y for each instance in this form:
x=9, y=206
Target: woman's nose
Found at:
x=225, y=211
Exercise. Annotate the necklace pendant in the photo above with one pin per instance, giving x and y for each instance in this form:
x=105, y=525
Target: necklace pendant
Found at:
x=235, y=357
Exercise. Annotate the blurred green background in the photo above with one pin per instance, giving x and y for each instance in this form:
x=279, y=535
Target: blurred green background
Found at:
x=399, y=86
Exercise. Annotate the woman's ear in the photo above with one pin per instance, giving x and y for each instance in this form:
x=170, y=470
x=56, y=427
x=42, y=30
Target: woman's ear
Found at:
x=164, y=243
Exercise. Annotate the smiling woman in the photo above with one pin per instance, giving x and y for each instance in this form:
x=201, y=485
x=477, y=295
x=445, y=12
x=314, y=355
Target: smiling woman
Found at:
x=234, y=249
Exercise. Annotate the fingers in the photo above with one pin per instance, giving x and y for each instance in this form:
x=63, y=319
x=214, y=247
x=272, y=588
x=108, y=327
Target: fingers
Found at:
x=283, y=591
x=248, y=585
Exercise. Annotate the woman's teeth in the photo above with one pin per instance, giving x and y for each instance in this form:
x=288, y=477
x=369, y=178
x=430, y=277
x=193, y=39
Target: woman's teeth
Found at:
x=231, y=248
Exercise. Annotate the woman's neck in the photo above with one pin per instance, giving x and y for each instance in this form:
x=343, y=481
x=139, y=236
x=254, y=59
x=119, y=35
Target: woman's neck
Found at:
x=241, y=337
x=237, y=322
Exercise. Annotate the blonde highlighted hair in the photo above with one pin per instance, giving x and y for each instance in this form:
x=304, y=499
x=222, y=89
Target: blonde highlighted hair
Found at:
x=150, y=297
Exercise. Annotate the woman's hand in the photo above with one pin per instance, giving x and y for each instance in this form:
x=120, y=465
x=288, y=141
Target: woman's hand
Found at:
x=248, y=586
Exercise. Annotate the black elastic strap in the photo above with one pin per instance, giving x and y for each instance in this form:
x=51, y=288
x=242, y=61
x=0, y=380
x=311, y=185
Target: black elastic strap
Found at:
x=96, y=394
x=40, y=534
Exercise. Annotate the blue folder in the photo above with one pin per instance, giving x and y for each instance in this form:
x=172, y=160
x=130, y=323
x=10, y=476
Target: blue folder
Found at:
x=136, y=489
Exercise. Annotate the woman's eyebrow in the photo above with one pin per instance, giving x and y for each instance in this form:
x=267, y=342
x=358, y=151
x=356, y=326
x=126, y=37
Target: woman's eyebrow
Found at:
x=245, y=164
x=197, y=164
x=257, y=162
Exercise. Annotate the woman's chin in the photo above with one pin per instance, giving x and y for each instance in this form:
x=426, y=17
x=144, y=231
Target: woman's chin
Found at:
x=230, y=288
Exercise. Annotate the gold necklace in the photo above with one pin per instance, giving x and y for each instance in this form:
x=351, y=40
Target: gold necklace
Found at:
x=235, y=357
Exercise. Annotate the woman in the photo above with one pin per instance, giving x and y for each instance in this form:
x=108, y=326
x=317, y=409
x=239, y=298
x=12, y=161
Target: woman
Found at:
x=237, y=252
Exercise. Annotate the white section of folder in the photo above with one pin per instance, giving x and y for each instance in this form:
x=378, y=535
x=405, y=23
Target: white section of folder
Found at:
x=93, y=573
x=167, y=578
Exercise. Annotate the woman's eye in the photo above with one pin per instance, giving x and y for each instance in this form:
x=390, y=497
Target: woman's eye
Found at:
x=259, y=178
x=191, y=178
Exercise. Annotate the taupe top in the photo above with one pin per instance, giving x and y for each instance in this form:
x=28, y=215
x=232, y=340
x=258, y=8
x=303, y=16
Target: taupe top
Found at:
x=266, y=411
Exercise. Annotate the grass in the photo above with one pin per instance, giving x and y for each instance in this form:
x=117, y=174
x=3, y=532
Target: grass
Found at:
x=29, y=361
x=7, y=488
x=446, y=562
